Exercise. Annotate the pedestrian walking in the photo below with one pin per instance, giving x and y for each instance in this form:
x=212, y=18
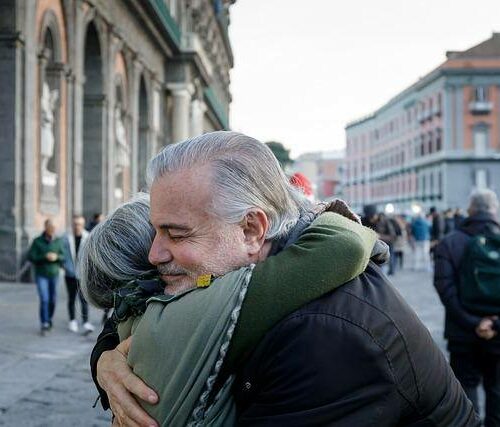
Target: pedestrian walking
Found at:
x=458, y=217
x=401, y=241
x=97, y=218
x=47, y=255
x=71, y=244
x=385, y=230
x=438, y=226
x=420, y=231
x=449, y=221
x=467, y=275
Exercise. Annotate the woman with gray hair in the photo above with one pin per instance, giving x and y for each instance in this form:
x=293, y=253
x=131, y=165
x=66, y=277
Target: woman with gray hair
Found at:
x=180, y=342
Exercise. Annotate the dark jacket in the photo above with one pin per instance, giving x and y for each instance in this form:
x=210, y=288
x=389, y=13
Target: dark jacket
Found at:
x=358, y=356
x=460, y=325
x=38, y=252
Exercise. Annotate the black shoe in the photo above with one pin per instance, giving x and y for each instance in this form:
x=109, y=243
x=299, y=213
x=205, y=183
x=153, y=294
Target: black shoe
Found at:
x=50, y=325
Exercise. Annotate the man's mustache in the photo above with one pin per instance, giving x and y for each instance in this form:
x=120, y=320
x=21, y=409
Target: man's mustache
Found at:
x=171, y=270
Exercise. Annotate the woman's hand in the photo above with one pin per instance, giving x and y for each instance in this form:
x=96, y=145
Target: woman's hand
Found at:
x=122, y=386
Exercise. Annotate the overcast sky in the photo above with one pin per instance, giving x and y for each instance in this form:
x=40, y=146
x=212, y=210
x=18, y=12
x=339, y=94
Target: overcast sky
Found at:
x=304, y=68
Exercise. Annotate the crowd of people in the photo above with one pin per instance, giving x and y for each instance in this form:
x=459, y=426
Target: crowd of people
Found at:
x=249, y=304
x=412, y=237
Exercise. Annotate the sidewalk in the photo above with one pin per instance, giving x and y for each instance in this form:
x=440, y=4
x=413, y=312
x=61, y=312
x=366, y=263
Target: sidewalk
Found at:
x=44, y=381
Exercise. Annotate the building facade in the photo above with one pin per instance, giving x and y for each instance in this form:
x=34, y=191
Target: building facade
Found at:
x=433, y=143
x=90, y=90
x=323, y=169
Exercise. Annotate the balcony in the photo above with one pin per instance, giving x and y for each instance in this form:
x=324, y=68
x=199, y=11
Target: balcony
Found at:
x=480, y=107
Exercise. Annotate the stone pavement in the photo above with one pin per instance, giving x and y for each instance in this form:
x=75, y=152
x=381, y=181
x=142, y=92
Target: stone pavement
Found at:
x=45, y=381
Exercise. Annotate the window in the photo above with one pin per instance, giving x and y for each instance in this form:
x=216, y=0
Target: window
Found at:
x=481, y=94
x=172, y=6
x=480, y=139
x=438, y=140
x=481, y=179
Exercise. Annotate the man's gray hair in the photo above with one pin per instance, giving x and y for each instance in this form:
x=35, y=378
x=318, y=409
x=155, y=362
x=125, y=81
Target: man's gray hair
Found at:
x=246, y=175
x=116, y=251
x=483, y=201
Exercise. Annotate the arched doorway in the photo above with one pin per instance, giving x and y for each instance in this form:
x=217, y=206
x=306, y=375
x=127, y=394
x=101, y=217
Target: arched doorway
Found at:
x=93, y=125
x=143, y=139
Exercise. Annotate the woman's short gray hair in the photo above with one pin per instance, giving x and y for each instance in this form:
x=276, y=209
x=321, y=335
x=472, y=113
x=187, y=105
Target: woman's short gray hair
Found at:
x=246, y=175
x=483, y=201
x=116, y=251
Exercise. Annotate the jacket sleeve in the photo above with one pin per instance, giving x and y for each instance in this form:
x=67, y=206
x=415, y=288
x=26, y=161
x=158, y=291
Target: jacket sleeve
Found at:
x=108, y=339
x=445, y=280
x=304, y=376
x=35, y=254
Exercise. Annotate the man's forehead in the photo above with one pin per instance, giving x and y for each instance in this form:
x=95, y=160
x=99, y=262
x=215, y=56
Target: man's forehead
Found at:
x=182, y=187
x=180, y=198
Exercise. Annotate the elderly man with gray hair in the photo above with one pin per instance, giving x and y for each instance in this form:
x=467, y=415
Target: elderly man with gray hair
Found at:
x=467, y=278
x=356, y=356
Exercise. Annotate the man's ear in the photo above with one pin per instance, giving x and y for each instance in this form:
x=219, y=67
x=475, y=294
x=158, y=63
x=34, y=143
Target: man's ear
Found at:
x=255, y=226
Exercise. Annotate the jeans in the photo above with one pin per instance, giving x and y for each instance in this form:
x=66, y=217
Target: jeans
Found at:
x=472, y=367
x=73, y=287
x=47, y=291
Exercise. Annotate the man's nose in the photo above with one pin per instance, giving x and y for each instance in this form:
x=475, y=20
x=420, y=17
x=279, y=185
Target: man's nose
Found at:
x=159, y=253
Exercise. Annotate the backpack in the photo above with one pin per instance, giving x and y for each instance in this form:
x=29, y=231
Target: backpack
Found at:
x=479, y=284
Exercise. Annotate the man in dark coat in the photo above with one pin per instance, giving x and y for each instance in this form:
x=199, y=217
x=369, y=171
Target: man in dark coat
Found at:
x=473, y=341
x=355, y=357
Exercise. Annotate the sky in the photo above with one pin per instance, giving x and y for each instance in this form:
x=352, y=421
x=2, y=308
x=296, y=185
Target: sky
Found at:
x=304, y=69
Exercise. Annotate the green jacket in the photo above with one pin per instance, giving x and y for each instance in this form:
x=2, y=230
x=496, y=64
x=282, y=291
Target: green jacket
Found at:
x=38, y=251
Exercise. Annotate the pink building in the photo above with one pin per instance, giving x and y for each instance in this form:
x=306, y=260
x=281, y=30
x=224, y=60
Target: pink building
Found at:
x=434, y=142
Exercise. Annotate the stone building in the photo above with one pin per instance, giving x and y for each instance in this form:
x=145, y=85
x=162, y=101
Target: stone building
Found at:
x=90, y=89
x=434, y=142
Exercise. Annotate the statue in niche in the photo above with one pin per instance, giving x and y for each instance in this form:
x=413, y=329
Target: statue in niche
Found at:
x=122, y=152
x=47, y=139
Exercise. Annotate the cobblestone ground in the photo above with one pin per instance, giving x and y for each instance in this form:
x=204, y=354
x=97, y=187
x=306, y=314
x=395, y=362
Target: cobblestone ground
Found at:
x=45, y=381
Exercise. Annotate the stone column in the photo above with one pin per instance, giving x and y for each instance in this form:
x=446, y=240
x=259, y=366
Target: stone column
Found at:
x=181, y=104
x=134, y=113
x=13, y=221
x=77, y=127
x=198, y=109
x=157, y=116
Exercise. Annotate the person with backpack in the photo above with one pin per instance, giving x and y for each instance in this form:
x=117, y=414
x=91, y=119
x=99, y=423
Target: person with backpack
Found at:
x=467, y=278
